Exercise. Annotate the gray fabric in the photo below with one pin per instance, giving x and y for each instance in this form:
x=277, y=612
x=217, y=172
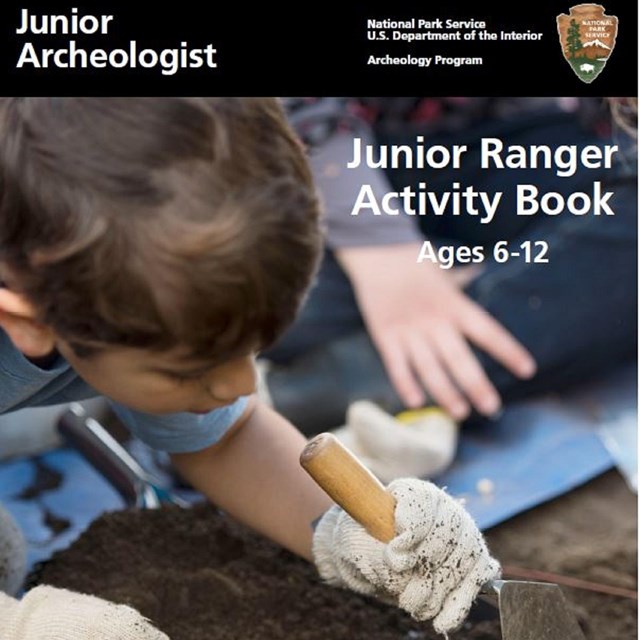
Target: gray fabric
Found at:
x=328, y=125
x=339, y=188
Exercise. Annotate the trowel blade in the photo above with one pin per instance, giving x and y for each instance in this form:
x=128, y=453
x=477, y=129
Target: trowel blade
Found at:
x=535, y=611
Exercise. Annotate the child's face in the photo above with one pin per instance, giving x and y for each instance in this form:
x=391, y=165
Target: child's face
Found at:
x=163, y=382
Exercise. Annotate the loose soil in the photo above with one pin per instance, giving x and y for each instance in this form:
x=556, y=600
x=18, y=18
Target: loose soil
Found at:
x=199, y=576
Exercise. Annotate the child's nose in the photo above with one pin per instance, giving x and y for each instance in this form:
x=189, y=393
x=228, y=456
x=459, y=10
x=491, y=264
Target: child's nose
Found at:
x=235, y=379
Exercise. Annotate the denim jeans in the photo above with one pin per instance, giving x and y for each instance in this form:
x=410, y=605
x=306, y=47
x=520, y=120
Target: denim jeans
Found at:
x=577, y=314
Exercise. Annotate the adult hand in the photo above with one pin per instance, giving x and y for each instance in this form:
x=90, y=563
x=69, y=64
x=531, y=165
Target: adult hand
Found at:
x=48, y=612
x=424, y=325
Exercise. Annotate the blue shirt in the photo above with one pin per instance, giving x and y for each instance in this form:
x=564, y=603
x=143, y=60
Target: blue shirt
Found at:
x=24, y=384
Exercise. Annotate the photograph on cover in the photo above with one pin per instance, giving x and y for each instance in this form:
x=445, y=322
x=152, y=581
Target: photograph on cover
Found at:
x=219, y=316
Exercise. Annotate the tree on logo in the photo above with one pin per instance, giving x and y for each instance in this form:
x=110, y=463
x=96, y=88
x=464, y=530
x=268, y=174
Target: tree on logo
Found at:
x=574, y=43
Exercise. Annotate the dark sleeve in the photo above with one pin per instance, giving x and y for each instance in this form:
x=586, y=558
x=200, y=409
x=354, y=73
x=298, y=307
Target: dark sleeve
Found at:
x=328, y=127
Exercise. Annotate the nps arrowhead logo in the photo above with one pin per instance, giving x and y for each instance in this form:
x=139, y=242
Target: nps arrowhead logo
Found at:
x=587, y=38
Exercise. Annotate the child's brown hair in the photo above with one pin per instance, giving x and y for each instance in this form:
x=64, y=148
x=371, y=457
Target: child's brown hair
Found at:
x=157, y=222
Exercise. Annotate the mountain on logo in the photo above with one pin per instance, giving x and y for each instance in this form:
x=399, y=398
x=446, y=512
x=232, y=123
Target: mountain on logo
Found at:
x=592, y=50
x=596, y=43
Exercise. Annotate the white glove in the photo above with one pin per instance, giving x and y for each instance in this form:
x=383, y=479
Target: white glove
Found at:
x=433, y=568
x=13, y=554
x=47, y=613
x=423, y=446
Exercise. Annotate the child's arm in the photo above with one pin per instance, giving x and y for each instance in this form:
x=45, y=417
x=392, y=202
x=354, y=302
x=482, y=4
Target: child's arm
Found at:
x=254, y=474
x=434, y=567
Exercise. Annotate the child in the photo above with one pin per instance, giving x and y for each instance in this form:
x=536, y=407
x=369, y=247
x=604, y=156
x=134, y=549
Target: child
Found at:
x=149, y=248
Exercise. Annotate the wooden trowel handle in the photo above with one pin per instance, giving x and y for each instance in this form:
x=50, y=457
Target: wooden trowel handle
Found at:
x=350, y=485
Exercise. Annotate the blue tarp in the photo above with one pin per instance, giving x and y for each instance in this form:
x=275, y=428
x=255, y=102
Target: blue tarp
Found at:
x=542, y=449
x=535, y=453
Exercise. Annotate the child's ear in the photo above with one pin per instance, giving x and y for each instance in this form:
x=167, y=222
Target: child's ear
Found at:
x=17, y=318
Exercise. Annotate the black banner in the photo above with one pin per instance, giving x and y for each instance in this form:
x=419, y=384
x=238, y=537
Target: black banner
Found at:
x=391, y=48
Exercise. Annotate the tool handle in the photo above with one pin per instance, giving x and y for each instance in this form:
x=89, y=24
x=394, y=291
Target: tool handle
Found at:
x=350, y=485
x=104, y=453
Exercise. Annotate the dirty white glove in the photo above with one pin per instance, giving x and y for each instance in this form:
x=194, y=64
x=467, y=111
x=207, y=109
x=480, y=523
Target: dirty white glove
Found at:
x=13, y=554
x=433, y=568
x=48, y=613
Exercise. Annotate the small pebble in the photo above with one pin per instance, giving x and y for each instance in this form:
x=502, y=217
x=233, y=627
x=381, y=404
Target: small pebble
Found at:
x=485, y=487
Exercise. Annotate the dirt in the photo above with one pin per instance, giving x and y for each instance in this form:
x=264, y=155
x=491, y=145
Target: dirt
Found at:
x=591, y=533
x=199, y=575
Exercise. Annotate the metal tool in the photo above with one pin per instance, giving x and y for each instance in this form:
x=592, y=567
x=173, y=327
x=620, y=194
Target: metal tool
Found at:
x=113, y=461
x=528, y=610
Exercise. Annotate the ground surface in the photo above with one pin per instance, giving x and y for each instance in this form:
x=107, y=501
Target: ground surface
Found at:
x=199, y=576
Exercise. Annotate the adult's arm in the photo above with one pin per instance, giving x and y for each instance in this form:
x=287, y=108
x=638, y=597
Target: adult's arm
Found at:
x=421, y=322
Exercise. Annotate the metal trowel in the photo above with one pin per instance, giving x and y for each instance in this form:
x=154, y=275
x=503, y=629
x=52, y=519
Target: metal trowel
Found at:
x=528, y=610
x=137, y=487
